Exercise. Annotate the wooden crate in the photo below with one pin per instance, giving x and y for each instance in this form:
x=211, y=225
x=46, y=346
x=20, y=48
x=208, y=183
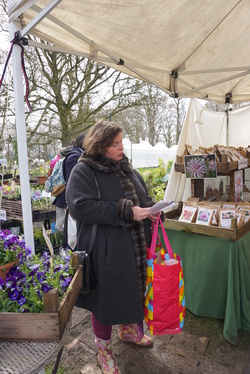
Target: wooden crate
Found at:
x=43, y=327
x=231, y=234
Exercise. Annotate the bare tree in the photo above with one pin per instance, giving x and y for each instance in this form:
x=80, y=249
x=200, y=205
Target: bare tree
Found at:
x=157, y=118
x=67, y=94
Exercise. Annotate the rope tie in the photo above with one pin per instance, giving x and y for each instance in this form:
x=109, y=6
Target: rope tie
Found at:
x=18, y=40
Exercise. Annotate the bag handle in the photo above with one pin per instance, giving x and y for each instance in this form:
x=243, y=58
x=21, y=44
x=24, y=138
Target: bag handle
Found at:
x=158, y=238
x=166, y=240
x=165, y=237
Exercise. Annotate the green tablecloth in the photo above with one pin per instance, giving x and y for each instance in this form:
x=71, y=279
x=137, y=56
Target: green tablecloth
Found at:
x=216, y=277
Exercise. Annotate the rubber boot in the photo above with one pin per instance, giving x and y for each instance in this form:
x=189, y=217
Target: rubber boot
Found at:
x=105, y=357
x=134, y=334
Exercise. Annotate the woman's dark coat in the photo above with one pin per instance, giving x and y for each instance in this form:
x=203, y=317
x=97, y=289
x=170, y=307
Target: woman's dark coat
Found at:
x=117, y=298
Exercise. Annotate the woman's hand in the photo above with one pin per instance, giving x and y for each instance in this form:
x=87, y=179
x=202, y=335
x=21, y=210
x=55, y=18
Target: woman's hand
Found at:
x=140, y=213
x=154, y=217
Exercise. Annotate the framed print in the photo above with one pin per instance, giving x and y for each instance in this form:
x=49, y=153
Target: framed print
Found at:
x=204, y=216
x=200, y=166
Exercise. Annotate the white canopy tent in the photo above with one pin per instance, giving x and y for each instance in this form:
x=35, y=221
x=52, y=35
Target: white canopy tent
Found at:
x=187, y=48
x=145, y=155
x=204, y=128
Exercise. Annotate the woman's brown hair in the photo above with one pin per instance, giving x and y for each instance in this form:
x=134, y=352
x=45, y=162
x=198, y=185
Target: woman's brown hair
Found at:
x=101, y=136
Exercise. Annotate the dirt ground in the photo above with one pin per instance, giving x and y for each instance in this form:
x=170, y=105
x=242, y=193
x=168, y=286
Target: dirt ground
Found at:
x=199, y=349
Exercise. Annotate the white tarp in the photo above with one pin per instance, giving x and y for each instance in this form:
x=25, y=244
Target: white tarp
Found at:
x=188, y=48
x=205, y=128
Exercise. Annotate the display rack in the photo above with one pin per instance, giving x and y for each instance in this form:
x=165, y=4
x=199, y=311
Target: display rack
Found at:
x=223, y=169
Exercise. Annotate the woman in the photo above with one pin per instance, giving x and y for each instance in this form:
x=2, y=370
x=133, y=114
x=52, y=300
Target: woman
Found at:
x=119, y=253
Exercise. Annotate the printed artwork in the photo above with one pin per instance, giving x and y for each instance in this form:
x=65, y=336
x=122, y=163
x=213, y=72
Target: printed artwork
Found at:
x=200, y=166
x=227, y=215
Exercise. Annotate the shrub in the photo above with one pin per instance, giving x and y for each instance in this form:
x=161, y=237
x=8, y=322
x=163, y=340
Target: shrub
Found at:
x=154, y=179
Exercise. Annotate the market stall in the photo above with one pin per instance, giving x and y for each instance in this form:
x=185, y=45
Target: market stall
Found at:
x=211, y=228
x=205, y=128
x=207, y=65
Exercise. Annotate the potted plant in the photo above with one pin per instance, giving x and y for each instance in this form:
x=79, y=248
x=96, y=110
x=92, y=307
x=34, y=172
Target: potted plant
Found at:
x=40, y=174
x=11, y=248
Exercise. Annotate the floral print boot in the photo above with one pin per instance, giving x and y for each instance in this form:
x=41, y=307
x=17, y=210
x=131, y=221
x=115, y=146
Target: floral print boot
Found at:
x=105, y=357
x=134, y=334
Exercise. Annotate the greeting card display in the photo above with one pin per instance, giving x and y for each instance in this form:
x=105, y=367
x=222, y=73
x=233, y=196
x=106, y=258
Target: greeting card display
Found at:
x=225, y=217
x=204, y=216
x=188, y=213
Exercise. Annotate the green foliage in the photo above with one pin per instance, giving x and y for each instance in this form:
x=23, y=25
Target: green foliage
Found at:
x=36, y=172
x=55, y=237
x=154, y=179
x=10, y=247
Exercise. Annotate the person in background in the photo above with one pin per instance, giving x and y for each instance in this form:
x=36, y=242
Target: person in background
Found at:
x=71, y=155
x=68, y=157
x=52, y=164
x=119, y=256
x=71, y=159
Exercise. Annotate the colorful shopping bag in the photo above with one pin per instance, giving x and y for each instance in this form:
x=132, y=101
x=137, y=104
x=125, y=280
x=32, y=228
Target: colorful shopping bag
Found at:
x=164, y=306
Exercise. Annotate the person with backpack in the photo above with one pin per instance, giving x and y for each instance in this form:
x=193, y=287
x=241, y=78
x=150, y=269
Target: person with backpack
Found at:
x=60, y=176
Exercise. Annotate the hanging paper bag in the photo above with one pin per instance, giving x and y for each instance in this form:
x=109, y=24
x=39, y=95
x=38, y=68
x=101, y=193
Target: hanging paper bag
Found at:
x=164, y=306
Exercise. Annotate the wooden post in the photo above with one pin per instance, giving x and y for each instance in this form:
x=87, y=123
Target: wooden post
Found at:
x=232, y=187
x=198, y=188
x=75, y=260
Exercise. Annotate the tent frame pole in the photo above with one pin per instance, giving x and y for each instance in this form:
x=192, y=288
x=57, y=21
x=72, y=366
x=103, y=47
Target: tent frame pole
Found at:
x=227, y=139
x=22, y=141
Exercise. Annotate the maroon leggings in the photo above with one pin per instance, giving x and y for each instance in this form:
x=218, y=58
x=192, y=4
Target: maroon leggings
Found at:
x=101, y=331
x=104, y=332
